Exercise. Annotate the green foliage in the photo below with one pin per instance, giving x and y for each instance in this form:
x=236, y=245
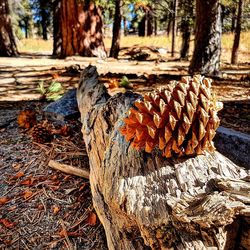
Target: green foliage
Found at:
x=53, y=92
x=124, y=82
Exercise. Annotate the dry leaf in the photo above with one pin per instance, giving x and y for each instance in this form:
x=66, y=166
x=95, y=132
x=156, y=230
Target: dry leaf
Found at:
x=92, y=218
x=17, y=176
x=27, y=182
x=7, y=223
x=113, y=83
x=27, y=194
x=56, y=209
x=63, y=233
x=4, y=200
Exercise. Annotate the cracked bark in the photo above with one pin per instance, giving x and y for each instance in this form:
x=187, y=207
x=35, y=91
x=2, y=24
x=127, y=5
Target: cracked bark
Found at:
x=145, y=201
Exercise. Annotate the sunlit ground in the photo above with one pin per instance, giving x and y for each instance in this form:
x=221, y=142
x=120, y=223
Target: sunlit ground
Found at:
x=39, y=45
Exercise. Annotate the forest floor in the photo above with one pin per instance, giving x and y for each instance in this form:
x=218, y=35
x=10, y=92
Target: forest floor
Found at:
x=41, y=208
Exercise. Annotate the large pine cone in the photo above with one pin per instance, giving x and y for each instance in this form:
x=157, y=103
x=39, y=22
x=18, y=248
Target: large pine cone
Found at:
x=180, y=119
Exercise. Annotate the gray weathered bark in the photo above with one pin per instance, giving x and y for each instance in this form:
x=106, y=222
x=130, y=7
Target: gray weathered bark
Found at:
x=145, y=201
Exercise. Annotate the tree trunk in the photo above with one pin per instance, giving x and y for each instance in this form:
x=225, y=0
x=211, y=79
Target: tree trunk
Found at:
x=174, y=27
x=186, y=28
x=7, y=40
x=44, y=18
x=57, y=35
x=155, y=26
x=125, y=26
x=207, y=50
x=233, y=19
x=115, y=47
x=146, y=201
x=80, y=29
x=236, y=44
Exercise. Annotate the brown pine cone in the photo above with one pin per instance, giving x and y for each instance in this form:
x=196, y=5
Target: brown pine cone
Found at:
x=41, y=133
x=180, y=119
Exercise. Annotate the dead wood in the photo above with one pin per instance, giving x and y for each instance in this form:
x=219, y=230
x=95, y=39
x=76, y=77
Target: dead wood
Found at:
x=68, y=169
x=146, y=201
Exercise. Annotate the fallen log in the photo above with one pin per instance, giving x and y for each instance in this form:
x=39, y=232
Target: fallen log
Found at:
x=146, y=201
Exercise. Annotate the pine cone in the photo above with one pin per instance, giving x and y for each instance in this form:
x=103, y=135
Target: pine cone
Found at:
x=41, y=134
x=26, y=119
x=180, y=119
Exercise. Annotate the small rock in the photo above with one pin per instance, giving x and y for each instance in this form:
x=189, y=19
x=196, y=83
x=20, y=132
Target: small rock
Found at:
x=63, y=109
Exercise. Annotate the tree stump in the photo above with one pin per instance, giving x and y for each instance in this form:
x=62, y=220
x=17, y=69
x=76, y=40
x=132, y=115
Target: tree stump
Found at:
x=146, y=201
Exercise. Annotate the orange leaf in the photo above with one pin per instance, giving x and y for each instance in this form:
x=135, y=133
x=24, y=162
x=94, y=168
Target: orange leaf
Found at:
x=4, y=200
x=56, y=209
x=92, y=218
x=63, y=233
x=28, y=182
x=7, y=223
x=17, y=176
x=27, y=194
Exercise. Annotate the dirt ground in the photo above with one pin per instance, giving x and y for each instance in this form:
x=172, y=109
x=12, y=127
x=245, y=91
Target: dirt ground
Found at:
x=41, y=208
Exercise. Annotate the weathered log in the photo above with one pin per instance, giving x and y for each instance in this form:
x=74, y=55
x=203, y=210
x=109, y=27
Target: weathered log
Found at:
x=146, y=201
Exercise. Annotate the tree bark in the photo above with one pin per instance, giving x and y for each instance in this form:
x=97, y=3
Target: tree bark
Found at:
x=207, y=50
x=115, y=47
x=145, y=201
x=234, y=58
x=44, y=18
x=187, y=17
x=80, y=29
x=7, y=40
x=57, y=32
x=233, y=19
x=174, y=27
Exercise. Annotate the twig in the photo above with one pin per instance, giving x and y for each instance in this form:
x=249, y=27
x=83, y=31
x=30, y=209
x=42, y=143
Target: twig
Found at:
x=68, y=169
x=66, y=235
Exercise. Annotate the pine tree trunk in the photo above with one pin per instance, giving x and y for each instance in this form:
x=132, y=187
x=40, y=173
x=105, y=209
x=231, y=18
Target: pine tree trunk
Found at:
x=207, y=50
x=145, y=201
x=233, y=19
x=80, y=30
x=115, y=47
x=155, y=26
x=234, y=58
x=125, y=26
x=186, y=28
x=7, y=40
x=57, y=35
x=174, y=27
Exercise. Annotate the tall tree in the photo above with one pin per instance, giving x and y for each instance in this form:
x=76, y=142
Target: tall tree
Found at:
x=57, y=33
x=186, y=26
x=174, y=27
x=7, y=40
x=78, y=29
x=207, y=50
x=115, y=47
x=234, y=58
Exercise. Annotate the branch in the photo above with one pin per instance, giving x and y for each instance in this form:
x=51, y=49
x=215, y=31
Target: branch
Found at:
x=68, y=169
